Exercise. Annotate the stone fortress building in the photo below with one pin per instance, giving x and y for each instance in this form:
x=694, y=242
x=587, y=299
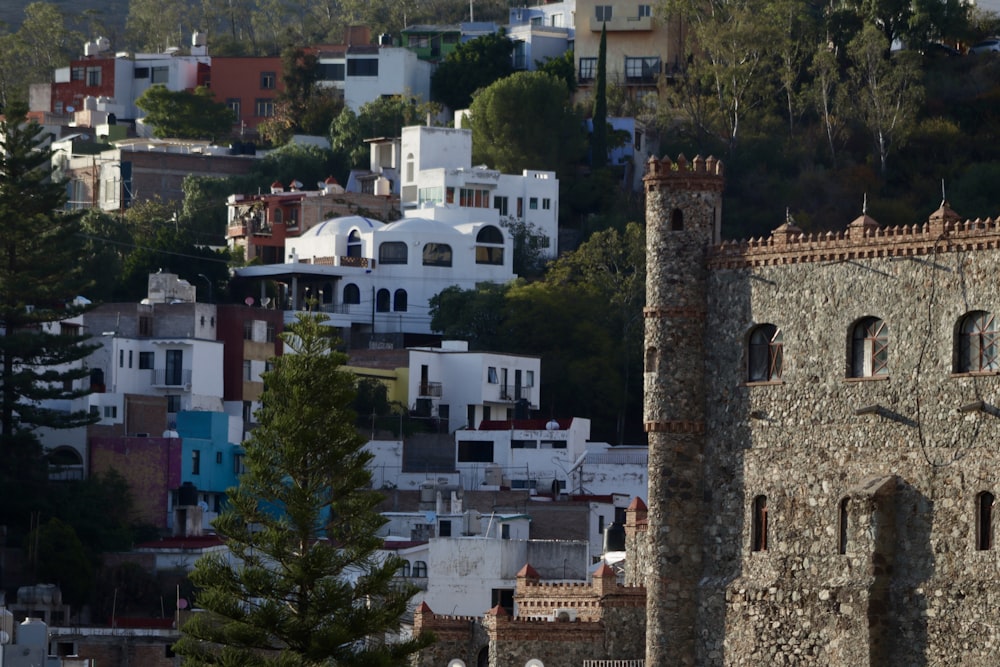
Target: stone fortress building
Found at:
x=823, y=415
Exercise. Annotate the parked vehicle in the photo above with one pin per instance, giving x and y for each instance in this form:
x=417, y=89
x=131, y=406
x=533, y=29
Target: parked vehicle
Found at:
x=991, y=44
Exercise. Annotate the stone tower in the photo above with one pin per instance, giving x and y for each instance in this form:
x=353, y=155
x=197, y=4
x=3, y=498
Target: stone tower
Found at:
x=683, y=219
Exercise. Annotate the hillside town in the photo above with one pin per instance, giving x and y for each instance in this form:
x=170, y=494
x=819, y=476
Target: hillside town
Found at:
x=777, y=451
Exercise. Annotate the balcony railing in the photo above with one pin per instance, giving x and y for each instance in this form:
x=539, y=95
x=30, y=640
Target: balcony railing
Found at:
x=431, y=389
x=161, y=378
x=619, y=23
x=511, y=392
x=358, y=262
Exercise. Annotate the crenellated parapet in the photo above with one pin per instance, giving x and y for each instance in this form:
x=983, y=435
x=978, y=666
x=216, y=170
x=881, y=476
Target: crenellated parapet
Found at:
x=588, y=601
x=664, y=172
x=864, y=238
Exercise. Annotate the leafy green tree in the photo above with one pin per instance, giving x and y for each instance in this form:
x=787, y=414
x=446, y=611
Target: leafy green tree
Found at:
x=40, y=277
x=472, y=65
x=886, y=91
x=185, y=114
x=599, y=139
x=307, y=586
x=562, y=67
x=474, y=315
x=828, y=97
x=529, y=245
x=526, y=121
x=301, y=107
x=59, y=558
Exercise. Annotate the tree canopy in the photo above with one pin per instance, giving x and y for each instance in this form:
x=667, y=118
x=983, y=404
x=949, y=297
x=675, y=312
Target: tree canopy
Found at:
x=185, y=114
x=304, y=584
x=472, y=65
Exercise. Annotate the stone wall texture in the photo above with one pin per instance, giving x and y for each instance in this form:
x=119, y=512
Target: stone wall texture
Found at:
x=880, y=549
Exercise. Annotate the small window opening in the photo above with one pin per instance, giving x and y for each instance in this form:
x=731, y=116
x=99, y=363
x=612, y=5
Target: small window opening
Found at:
x=676, y=220
x=759, y=536
x=984, y=521
x=843, y=521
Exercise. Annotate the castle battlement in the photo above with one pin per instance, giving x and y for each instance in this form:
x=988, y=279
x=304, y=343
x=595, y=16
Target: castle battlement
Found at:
x=665, y=168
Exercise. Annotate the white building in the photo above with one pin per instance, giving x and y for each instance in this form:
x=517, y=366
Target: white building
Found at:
x=366, y=73
x=437, y=170
x=377, y=278
x=467, y=388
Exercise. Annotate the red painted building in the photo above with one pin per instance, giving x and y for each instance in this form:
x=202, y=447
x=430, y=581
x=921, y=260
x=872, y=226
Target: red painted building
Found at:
x=248, y=86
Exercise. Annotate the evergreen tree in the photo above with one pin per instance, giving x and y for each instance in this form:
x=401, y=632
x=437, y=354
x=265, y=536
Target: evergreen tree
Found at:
x=40, y=278
x=305, y=584
x=599, y=139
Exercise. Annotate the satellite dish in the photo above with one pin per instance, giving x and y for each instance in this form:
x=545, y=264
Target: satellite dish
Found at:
x=248, y=301
x=5, y=638
x=266, y=301
x=70, y=109
x=182, y=603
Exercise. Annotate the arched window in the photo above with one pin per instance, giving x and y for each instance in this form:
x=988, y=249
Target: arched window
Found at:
x=845, y=504
x=399, y=301
x=437, y=254
x=419, y=568
x=984, y=521
x=352, y=294
x=869, y=352
x=977, y=343
x=765, y=354
x=354, y=243
x=409, y=167
x=404, y=569
x=392, y=252
x=382, y=301
x=676, y=220
x=758, y=534
x=489, y=246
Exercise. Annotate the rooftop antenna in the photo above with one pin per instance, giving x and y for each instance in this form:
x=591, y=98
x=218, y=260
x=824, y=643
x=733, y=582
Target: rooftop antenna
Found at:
x=864, y=205
x=944, y=199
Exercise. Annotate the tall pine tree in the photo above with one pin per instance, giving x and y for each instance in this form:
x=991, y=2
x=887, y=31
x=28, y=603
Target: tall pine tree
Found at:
x=40, y=278
x=599, y=139
x=304, y=584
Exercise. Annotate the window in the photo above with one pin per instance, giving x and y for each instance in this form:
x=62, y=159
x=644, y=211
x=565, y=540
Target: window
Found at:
x=642, y=70
x=524, y=444
x=121, y=358
x=419, y=568
x=195, y=461
x=588, y=68
x=977, y=344
x=77, y=74
x=267, y=80
x=546, y=204
x=247, y=372
x=263, y=108
x=160, y=75
x=765, y=354
x=645, y=11
x=130, y=358
x=529, y=378
x=437, y=254
x=173, y=403
x=435, y=195
x=93, y=76
x=504, y=597
x=475, y=451
x=404, y=569
x=677, y=220
x=145, y=325
x=533, y=203
x=392, y=252
x=418, y=41
x=500, y=204
x=271, y=332
x=758, y=537
x=141, y=73
x=382, y=301
x=491, y=375
x=869, y=348
x=239, y=464
x=174, y=373
x=474, y=198
x=234, y=105
x=984, y=521
x=489, y=246
x=110, y=411
x=362, y=67
x=409, y=167
x=247, y=329
x=505, y=531
x=354, y=243
x=602, y=12
x=449, y=195
x=444, y=528
x=330, y=71
x=520, y=207
x=399, y=301
x=68, y=329
x=352, y=293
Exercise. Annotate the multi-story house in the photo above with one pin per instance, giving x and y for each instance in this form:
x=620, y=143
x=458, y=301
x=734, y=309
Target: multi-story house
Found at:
x=437, y=170
x=115, y=80
x=641, y=46
x=364, y=73
x=249, y=86
x=540, y=33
